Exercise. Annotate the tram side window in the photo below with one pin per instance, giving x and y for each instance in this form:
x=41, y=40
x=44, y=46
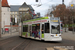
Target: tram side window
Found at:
x=25, y=28
x=42, y=28
x=47, y=28
x=33, y=27
x=61, y=26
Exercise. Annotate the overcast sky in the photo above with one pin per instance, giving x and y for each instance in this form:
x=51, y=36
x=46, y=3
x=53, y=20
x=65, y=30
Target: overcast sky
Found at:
x=43, y=8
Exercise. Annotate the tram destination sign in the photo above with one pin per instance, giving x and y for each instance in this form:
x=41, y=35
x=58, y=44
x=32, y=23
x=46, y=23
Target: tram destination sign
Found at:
x=54, y=20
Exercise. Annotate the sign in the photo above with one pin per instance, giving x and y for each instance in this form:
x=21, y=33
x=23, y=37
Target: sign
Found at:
x=54, y=20
x=6, y=29
x=71, y=5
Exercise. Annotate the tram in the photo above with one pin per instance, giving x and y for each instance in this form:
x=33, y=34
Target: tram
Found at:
x=44, y=28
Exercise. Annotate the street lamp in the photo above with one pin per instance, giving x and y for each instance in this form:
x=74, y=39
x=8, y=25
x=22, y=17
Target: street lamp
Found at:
x=36, y=0
x=62, y=1
x=72, y=18
x=0, y=18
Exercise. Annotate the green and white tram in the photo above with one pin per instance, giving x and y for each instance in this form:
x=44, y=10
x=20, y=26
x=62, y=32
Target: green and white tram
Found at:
x=44, y=28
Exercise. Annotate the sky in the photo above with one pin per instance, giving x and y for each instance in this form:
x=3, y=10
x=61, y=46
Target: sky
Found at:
x=43, y=8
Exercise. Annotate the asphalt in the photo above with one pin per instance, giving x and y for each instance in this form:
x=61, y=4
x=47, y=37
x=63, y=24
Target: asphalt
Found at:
x=12, y=41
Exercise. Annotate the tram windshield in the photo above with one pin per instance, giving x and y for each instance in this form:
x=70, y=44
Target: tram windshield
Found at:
x=55, y=29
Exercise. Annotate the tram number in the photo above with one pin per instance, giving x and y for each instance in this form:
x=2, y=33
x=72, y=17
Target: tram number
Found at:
x=56, y=34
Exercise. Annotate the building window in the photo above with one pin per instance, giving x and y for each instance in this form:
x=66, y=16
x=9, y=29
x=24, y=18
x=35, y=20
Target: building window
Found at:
x=7, y=9
x=27, y=9
x=21, y=9
x=20, y=15
x=26, y=12
x=23, y=13
x=17, y=15
x=11, y=12
x=20, y=12
x=14, y=15
x=11, y=15
x=14, y=12
x=4, y=13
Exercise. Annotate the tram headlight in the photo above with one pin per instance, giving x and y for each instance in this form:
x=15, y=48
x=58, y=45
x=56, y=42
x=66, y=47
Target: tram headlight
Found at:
x=52, y=35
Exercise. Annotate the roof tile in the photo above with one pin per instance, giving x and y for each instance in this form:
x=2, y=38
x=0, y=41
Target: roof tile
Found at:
x=5, y=3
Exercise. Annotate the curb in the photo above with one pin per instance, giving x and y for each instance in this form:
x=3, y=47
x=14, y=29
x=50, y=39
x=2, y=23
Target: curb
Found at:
x=55, y=48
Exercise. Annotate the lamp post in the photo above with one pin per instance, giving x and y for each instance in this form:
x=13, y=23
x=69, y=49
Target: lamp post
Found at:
x=72, y=18
x=0, y=18
x=62, y=1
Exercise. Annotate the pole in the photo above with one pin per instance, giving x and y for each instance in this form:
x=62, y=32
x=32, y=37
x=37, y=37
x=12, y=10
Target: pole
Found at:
x=0, y=18
x=72, y=24
x=63, y=2
x=72, y=17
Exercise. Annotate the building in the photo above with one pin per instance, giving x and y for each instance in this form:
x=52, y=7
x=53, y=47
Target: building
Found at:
x=23, y=10
x=17, y=11
x=14, y=13
x=5, y=13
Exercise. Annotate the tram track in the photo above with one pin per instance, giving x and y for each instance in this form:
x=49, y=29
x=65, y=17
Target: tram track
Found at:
x=14, y=44
x=3, y=42
x=10, y=43
x=22, y=45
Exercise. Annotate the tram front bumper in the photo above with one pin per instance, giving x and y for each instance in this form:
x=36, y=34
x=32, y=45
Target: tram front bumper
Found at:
x=54, y=39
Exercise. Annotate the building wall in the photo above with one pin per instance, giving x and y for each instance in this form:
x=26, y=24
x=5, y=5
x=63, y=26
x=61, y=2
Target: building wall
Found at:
x=5, y=16
x=14, y=15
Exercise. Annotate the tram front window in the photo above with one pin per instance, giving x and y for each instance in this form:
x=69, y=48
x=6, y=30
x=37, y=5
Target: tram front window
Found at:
x=55, y=29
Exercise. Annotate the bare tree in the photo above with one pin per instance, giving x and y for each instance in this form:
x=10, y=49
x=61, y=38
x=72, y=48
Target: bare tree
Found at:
x=27, y=16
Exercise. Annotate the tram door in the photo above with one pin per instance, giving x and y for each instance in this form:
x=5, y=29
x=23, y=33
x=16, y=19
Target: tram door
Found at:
x=42, y=31
x=47, y=31
x=30, y=30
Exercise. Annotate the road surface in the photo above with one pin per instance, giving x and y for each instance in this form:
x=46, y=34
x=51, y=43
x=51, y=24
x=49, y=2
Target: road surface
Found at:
x=17, y=43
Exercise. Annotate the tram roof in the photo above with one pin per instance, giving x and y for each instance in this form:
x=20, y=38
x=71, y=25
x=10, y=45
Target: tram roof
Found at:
x=36, y=19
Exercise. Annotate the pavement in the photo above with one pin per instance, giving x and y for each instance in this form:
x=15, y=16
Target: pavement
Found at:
x=69, y=35
x=8, y=35
x=56, y=48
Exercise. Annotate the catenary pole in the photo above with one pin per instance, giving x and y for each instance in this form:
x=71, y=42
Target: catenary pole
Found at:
x=0, y=18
